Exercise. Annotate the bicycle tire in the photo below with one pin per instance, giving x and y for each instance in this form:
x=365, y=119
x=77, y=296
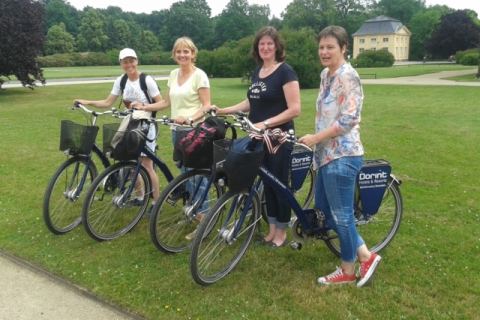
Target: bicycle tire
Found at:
x=106, y=214
x=379, y=229
x=304, y=195
x=212, y=243
x=174, y=216
x=65, y=215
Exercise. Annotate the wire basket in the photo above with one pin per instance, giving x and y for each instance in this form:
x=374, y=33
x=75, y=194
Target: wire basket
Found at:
x=77, y=138
x=123, y=145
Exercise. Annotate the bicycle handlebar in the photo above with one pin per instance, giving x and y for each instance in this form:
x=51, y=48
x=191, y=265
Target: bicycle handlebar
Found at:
x=246, y=125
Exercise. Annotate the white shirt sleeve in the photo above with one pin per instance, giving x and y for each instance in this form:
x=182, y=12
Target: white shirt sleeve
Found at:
x=152, y=87
x=201, y=79
x=116, y=87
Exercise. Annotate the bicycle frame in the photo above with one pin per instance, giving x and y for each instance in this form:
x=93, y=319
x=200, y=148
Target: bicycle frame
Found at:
x=151, y=155
x=105, y=163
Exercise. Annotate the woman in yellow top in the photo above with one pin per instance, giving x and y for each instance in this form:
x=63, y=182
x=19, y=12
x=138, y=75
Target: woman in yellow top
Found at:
x=188, y=92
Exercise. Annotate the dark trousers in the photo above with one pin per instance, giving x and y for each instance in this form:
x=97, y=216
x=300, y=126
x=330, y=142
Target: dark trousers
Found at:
x=278, y=164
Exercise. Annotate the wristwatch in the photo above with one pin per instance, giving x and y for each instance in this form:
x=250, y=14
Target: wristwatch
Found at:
x=266, y=123
x=190, y=120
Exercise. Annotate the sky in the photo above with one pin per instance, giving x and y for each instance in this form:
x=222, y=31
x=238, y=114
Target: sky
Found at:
x=276, y=6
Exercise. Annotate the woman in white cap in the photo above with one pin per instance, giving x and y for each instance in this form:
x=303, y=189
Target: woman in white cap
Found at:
x=131, y=90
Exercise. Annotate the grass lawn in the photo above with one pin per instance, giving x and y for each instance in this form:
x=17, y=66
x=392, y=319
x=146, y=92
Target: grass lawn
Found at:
x=430, y=270
x=465, y=78
x=407, y=71
x=101, y=71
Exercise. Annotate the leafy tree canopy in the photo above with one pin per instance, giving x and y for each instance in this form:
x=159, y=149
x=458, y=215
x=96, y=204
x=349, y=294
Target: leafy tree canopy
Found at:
x=21, y=40
x=456, y=31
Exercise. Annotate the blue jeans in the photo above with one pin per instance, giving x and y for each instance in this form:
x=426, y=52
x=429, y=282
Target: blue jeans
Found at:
x=334, y=192
x=197, y=184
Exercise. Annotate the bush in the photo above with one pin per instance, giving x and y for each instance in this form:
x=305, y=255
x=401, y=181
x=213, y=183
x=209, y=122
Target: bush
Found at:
x=470, y=57
x=156, y=57
x=75, y=59
x=302, y=55
x=56, y=60
x=371, y=59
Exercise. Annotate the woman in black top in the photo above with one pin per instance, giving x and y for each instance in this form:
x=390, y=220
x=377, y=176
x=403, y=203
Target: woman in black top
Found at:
x=273, y=100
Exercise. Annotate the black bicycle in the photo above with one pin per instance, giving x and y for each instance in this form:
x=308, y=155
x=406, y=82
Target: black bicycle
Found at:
x=226, y=232
x=119, y=197
x=63, y=197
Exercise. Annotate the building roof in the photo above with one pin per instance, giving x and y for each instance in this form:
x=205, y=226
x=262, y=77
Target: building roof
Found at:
x=379, y=25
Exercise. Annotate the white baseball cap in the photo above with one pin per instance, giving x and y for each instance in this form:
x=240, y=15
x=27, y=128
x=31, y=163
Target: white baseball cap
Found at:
x=125, y=53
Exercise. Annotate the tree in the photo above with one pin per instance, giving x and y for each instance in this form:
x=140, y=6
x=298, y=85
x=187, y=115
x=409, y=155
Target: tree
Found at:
x=233, y=22
x=422, y=25
x=188, y=18
x=57, y=11
x=148, y=42
x=92, y=36
x=21, y=40
x=402, y=10
x=455, y=32
x=59, y=40
x=313, y=14
x=258, y=15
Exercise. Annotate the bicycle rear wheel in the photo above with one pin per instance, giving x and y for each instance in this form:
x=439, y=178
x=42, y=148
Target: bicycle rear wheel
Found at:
x=175, y=215
x=62, y=207
x=379, y=229
x=114, y=205
x=221, y=240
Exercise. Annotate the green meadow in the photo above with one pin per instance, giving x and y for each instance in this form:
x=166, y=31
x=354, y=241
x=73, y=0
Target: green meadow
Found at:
x=430, y=270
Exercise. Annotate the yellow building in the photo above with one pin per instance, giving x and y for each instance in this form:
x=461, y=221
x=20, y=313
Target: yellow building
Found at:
x=383, y=33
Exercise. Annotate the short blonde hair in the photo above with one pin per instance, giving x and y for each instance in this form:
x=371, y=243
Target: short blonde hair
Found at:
x=185, y=42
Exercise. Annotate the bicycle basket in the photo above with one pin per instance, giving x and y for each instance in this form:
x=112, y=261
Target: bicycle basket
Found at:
x=77, y=138
x=242, y=163
x=220, y=150
x=127, y=144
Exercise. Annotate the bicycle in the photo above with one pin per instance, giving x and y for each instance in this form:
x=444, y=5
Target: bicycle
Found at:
x=194, y=192
x=118, y=198
x=63, y=192
x=186, y=198
x=226, y=232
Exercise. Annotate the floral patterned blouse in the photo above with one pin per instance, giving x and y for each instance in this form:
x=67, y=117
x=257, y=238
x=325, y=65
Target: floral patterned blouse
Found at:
x=339, y=104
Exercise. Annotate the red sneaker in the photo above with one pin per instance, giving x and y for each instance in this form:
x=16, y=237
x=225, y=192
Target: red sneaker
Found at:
x=337, y=277
x=367, y=268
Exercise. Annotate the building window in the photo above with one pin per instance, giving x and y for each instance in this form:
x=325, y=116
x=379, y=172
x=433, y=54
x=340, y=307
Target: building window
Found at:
x=373, y=40
x=362, y=40
x=385, y=39
x=385, y=48
x=374, y=49
x=361, y=50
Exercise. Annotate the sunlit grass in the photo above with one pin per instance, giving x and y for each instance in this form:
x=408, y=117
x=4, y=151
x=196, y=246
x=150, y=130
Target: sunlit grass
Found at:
x=429, y=134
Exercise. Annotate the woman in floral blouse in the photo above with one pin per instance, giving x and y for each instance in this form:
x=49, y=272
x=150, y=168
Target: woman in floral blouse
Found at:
x=339, y=155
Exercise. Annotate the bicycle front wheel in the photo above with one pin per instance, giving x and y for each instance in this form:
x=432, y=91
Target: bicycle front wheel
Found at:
x=378, y=229
x=63, y=199
x=222, y=239
x=116, y=201
x=180, y=207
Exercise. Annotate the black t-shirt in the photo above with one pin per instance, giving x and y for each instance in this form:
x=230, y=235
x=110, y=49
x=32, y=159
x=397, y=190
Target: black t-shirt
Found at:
x=266, y=95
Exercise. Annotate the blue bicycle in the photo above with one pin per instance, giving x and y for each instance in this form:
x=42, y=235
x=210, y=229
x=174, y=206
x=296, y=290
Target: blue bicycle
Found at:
x=226, y=232
x=119, y=197
x=62, y=201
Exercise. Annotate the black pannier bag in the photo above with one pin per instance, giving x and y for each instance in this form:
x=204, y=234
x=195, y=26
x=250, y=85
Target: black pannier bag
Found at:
x=242, y=163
